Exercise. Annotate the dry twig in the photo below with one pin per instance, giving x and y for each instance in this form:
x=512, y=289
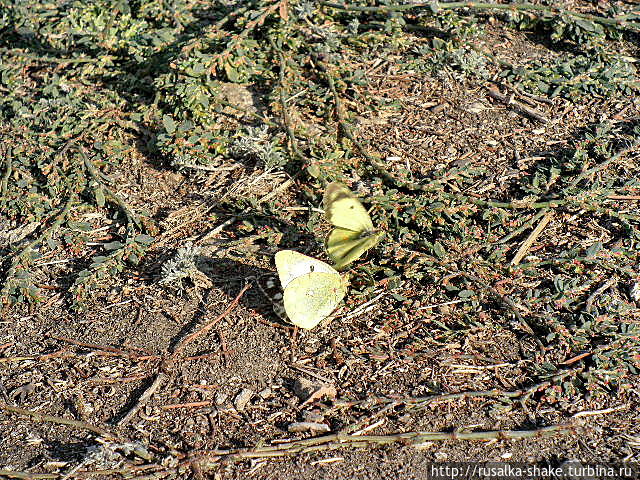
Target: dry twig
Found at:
x=516, y=107
x=210, y=460
x=508, y=302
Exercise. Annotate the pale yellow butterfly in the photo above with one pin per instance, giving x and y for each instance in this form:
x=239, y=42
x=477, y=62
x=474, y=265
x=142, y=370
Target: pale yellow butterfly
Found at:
x=353, y=233
x=312, y=288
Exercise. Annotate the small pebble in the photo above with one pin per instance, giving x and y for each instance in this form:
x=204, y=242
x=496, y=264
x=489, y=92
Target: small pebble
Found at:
x=241, y=400
x=303, y=388
x=314, y=427
x=265, y=393
x=221, y=398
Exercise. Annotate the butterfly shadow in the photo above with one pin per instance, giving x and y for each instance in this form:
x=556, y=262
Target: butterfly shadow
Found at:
x=264, y=293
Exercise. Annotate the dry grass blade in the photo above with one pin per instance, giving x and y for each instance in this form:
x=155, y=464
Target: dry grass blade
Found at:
x=526, y=245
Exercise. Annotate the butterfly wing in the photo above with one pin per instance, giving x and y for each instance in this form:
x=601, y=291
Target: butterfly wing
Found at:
x=291, y=265
x=312, y=297
x=344, y=210
x=345, y=246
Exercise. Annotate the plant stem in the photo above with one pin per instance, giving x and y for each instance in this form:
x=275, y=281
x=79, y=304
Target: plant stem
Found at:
x=24, y=253
x=338, y=441
x=283, y=102
x=96, y=175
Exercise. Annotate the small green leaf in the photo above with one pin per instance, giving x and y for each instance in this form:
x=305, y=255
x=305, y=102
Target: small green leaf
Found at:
x=400, y=298
x=98, y=193
x=313, y=170
x=593, y=250
x=169, y=124
x=438, y=249
x=144, y=239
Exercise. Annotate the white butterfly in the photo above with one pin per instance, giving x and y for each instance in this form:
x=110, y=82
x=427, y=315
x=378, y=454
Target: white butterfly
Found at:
x=311, y=288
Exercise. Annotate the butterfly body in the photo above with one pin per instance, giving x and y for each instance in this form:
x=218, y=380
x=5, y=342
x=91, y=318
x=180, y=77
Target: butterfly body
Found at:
x=354, y=233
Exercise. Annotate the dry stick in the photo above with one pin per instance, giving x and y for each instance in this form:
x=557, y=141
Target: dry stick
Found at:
x=157, y=383
x=62, y=353
x=507, y=301
x=193, y=218
x=623, y=197
x=27, y=475
x=283, y=186
x=105, y=434
x=577, y=358
x=601, y=166
x=168, y=363
x=527, y=95
x=208, y=461
x=219, y=228
x=106, y=473
x=16, y=359
x=39, y=417
x=589, y=413
x=173, y=406
x=359, y=425
x=186, y=341
x=157, y=475
x=105, y=348
x=59, y=219
x=516, y=107
x=526, y=245
x=420, y=403
x=123, y=472
x=524, y=226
